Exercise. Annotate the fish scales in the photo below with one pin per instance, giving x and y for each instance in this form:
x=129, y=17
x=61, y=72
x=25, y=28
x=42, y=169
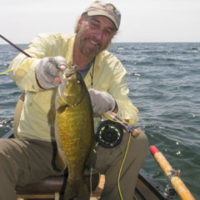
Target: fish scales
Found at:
x=74, y=130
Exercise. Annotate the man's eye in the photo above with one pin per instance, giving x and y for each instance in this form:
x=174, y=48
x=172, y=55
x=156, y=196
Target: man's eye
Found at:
x=93, y=24
x=108, y=32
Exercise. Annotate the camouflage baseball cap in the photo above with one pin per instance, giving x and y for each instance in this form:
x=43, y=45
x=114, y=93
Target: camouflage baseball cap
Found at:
x=105, y=9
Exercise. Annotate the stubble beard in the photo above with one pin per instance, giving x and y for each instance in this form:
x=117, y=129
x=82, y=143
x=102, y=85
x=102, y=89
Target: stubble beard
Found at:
x=90, y=52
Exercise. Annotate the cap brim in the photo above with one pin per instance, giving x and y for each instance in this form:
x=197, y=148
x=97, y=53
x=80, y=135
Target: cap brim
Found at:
x=103, y=13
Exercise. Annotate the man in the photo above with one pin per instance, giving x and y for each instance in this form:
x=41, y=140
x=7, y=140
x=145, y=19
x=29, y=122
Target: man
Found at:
x=29, y=157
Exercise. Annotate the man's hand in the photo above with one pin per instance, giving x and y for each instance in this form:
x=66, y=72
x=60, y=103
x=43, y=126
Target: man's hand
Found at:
x=47, y=71
x=101, y=102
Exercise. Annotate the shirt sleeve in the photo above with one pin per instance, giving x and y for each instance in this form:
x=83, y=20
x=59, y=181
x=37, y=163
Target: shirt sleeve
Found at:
x=22, y=68
x=22, y=71
x=119, y=90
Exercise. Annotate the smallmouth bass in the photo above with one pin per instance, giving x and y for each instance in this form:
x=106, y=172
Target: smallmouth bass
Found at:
x=74, y=129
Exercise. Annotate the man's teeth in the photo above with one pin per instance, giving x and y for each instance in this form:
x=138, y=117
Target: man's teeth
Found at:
x=93, y=42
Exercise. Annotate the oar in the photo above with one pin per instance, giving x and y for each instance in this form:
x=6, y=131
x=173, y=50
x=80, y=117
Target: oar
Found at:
x=171, y=174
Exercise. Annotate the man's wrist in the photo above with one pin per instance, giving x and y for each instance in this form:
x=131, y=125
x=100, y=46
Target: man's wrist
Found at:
x=115, y=109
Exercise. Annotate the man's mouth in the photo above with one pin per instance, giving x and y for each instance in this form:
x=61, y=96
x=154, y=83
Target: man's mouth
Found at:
x=91, y=46
x=95, y=43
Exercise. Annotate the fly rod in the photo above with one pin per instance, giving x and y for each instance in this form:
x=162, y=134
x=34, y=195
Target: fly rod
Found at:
x=15, y=46
x=171, y=174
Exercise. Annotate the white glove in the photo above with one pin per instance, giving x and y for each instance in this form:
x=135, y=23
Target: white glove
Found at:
x=47, y=71
x=101, y=102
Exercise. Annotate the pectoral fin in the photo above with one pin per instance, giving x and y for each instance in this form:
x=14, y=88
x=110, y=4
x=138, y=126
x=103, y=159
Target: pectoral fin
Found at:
x=62, y=108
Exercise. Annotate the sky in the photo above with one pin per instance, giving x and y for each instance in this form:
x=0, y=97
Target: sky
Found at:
x=142, y=20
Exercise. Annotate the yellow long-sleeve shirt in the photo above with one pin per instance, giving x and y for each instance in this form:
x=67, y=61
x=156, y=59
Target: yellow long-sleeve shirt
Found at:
x=37, y=118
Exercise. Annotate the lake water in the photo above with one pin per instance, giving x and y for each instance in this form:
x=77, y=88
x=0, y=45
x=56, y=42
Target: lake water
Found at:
x=164, y=83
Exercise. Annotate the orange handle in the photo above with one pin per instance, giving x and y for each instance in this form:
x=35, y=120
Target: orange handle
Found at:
x=173, y=178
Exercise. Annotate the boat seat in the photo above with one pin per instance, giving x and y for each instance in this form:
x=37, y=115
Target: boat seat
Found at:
x=50, y=188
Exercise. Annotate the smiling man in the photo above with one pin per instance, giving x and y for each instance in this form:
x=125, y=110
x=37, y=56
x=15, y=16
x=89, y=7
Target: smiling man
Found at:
x=28, y=158
x=93, y=35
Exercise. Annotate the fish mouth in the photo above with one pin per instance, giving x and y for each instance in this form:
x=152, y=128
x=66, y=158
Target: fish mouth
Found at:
x=68, y=72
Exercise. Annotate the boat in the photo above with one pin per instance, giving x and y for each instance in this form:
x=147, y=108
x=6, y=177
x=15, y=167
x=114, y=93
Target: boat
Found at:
x=52, y=187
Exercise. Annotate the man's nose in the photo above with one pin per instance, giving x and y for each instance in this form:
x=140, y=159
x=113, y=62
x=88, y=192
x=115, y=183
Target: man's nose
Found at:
x=99, y=35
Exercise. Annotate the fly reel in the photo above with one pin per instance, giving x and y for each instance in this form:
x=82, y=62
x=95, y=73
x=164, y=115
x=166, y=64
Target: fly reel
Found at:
x=109, y=134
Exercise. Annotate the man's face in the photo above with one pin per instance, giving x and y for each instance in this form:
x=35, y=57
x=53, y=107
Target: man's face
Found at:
x=94, y=34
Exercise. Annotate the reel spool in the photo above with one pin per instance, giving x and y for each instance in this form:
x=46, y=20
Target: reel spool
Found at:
x=109, y=134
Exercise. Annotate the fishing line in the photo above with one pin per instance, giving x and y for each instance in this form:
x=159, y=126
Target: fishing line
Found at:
x=122, y=165
x=118, y=120
x=12, y=69
x=6, y=72
x=91, y=181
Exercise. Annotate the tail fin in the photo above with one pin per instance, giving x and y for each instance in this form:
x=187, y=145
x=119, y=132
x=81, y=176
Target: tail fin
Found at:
x=76, y=189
